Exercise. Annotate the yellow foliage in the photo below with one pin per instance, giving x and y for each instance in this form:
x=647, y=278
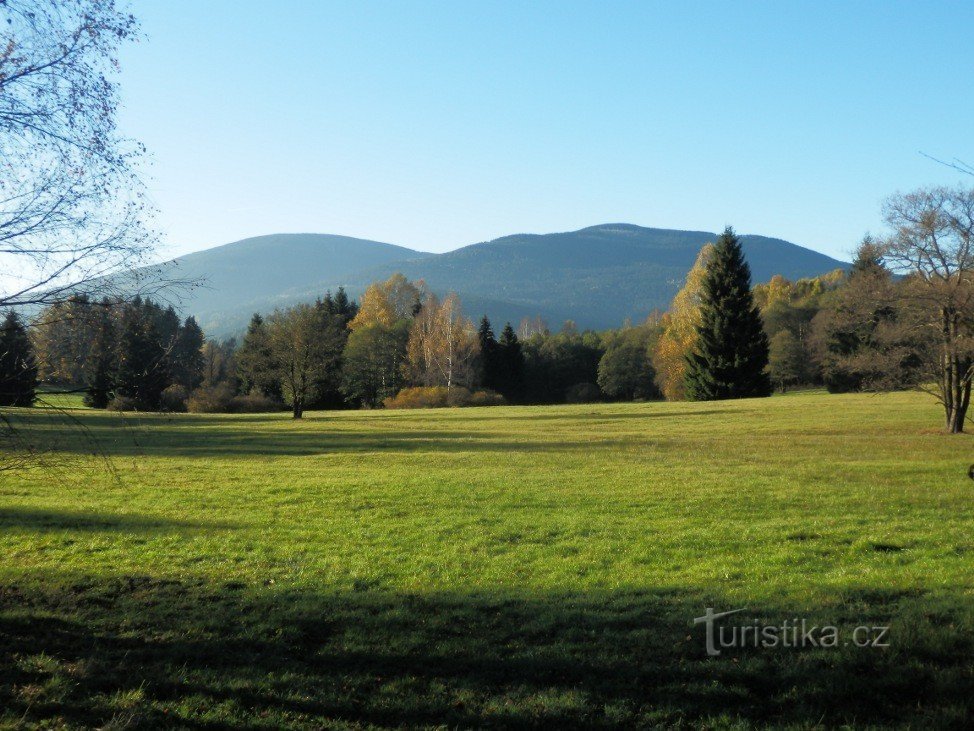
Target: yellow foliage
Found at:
x=680, y=331
x=376, y=309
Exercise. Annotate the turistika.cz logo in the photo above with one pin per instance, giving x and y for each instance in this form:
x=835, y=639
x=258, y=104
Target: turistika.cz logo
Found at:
x=792, y=633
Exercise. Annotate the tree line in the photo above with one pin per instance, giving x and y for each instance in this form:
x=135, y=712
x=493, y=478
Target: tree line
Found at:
x=902, y=316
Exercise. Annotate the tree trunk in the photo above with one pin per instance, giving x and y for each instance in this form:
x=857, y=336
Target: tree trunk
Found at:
x=956, y=405
x=956, y=376
x=298, y=409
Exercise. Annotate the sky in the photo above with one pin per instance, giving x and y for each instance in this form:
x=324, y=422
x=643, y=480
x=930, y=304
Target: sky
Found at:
x=435, y=125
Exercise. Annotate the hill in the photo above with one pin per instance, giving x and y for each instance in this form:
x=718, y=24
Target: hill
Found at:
x=598, y=276
x=264, y=272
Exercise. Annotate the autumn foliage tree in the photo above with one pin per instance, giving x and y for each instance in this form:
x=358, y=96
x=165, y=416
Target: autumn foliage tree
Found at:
x=679, y=331
x=443, y=345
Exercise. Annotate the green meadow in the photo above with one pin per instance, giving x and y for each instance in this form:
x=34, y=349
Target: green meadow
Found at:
x=502, y=567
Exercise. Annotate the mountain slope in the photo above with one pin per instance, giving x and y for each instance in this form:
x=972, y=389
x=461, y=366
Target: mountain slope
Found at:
x=264, y=272
x=597, y=276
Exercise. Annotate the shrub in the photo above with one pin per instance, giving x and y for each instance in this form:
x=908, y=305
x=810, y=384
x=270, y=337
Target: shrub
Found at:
x=174, y=399
x=211, y=399
x=123, y=403
x=420, y=397
x=254, y=403
x=583, y=393
x=434, y=397
x=486, y=398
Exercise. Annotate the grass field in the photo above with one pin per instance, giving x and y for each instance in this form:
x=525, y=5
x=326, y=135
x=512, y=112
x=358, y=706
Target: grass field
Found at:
x=506, y=566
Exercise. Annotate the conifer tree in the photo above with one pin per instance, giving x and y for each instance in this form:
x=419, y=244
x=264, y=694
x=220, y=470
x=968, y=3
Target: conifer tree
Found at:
x=18, y=367
x=510, y=359
x=489, y=353
x=255, y=361
x=100, y=364
x=187, y=355
x=142, y=368
x=731, y=353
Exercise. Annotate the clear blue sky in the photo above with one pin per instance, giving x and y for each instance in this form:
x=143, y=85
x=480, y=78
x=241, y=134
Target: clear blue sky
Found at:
x=435, y=125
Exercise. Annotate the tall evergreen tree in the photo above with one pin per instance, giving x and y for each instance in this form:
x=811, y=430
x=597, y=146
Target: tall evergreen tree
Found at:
x=18, y=367
x=731, y=353
x=489, y=355
x=510, y=359
x=100, y=364
x=187, y=355
x=255, y=361
x=142, y=363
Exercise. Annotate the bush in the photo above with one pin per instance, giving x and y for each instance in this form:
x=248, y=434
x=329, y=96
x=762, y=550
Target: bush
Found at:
x=583, y=393
x=174, y=399
x=211, y=399
x=485, y=398
x=434, y=397
x=253, y=403
x=123, y=403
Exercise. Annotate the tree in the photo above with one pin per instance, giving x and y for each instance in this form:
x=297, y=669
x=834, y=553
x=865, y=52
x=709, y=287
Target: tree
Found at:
x=786, y=359
x=443, y=345
x=932, y=245
x=386, y=302
x=510, y=365
x=71, y=206
x=187, y=355
x=731, y=351
x=255, y=361
x=100, y=365
x=300, y=354
x=62, y=335
x=626, y=372
x=373, y=362
x=142, y=373
x=18, y=368
x=489, y=355
x=679, y=330
x=848, y=329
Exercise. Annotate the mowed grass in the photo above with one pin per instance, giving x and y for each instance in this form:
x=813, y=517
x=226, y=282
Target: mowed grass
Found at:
x=511, y=566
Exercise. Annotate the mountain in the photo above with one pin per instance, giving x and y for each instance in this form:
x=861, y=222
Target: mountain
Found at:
x=598, y=276
x=258, y=274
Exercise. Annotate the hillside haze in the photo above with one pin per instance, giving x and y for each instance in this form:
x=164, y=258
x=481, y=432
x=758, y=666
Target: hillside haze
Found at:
x=598, y=276
x=261, y=273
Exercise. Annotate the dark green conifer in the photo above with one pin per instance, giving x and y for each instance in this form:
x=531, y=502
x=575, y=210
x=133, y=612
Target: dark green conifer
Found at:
x=18, y=367
x=731, y=354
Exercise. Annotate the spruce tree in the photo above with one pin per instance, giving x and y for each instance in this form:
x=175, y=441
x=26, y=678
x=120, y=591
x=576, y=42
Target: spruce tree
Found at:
x=187, y=355
x=142, y=373
x=731, y=352
x=255, y=361
x=510, y=365
x=18, y=367
x=100, y=365
x=489, y=354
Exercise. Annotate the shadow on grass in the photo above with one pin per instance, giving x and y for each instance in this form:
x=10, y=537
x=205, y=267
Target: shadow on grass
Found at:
x=53, y=520
x=148, y=653
x=201, y=436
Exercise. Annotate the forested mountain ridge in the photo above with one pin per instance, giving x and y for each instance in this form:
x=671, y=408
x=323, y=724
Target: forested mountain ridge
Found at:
x=597, y=276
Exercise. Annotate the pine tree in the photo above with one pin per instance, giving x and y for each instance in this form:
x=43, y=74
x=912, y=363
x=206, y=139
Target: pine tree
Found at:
x=510, y=359
x=100, y=364
x=731, y=353
x=18, y=367
x=489, y=355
